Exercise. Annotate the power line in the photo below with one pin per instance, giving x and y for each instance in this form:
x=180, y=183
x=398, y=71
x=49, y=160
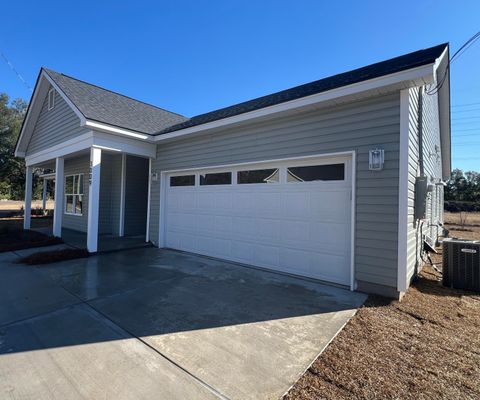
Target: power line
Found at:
x=466, y=117
x=457, y=54
x=465, y=111
x=465, y=105
x=15, y=71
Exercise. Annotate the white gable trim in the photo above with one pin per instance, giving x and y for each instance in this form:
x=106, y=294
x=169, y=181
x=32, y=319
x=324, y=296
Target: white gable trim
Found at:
x=35, y=108
x=64, y=97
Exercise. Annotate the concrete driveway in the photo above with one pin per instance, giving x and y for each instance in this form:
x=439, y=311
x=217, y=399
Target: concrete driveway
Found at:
x=159, y=324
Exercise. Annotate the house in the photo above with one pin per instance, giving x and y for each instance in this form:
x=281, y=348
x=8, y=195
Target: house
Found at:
x=339, y=180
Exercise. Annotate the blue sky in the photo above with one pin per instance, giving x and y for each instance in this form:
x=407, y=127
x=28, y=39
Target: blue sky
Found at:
x=195, y=56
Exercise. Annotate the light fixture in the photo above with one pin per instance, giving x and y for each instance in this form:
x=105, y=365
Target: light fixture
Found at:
x=376, y=159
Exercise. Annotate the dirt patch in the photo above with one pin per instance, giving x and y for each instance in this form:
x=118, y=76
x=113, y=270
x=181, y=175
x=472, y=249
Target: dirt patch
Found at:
x=48, y=257
x=11, y=240
x=425, y=347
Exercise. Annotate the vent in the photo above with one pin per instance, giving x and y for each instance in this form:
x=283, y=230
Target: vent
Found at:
x=461, y=264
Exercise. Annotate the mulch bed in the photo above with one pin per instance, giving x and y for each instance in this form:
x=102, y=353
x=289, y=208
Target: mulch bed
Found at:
x=47, y=257
x=425, y=347
x=11, y=240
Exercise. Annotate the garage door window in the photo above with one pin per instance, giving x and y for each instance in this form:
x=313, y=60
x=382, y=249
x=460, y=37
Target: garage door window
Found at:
x=220, y=178
x=327, y=172
x=183, y=180
x=258, y=176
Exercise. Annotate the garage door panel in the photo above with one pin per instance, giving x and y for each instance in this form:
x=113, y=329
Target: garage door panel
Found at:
x=302, y=228
x=293, y=231
x=296, y=205
x=329, y=205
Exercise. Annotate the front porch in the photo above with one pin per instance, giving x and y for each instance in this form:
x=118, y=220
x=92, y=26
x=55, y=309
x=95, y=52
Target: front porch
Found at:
x=101, y=199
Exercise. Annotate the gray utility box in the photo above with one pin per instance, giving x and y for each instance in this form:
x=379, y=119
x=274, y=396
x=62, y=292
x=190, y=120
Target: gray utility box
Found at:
x=461, y=264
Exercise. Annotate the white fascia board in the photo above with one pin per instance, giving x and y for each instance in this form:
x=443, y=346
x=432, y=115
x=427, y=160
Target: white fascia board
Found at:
x=115, y=130
x=34, y=109
x=124, y=144
x=61, y=150
x=417, y=76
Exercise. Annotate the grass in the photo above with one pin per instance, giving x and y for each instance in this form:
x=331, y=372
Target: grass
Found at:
x=48, y=257
x=426, y=346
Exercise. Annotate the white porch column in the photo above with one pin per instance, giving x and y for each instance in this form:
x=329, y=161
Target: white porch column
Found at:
x=28, y=198
x=59, y=196
x=121, y=228
x=44, y=196
x=94, y=199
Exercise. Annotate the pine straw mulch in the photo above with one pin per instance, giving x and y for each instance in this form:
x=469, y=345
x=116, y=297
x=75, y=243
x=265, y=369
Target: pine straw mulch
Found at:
x=425, y=347
x=47, y=257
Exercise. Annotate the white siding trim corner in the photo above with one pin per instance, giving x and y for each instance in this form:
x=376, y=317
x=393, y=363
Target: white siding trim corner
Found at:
x=402, y=276
x=121, y=228
x=147, y=233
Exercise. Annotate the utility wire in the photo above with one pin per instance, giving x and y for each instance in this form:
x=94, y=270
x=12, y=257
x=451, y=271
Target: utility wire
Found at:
x=465, y=105
x=15, y=71
x=457, y=54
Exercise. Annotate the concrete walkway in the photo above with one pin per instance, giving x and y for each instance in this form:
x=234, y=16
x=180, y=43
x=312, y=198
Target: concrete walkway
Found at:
x=158, y=324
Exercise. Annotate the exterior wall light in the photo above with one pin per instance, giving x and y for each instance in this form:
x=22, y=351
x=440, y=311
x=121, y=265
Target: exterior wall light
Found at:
x=376, y=159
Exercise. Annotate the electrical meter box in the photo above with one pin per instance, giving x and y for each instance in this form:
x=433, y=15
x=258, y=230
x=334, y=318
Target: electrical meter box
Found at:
x=421, y=194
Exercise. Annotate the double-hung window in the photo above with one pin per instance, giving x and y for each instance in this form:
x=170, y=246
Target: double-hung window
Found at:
x=74, y=194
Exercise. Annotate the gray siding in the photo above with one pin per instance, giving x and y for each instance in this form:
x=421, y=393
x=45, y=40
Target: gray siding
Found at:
x=109, y=210
x=425, y=106
x=136, y=195
x=358, y=126
x=54, y=126
x=78, y=165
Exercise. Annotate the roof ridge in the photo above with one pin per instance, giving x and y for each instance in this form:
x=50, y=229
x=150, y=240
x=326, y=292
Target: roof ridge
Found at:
x=111, y=91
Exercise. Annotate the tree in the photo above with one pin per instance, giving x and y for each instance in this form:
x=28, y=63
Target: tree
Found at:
x=12, y=169
x=463, y=186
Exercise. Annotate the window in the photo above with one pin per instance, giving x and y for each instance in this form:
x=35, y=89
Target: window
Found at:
x=74, y=194
x=184, y=180
x=219, y=178
x=258, y=176
x=330, y=172
x=51, y=99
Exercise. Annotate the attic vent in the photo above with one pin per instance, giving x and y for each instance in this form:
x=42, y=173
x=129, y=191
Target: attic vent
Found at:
x=51, y=99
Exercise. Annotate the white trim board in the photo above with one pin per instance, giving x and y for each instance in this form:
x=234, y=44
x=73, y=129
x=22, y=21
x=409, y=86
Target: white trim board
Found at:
x=408, y=78
x=402, y=229
x=351, y=155
x=101, y=140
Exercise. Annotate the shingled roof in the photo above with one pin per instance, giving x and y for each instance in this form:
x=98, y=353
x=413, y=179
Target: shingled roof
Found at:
x=102, y=105
x=108, y=107
x=397, y=64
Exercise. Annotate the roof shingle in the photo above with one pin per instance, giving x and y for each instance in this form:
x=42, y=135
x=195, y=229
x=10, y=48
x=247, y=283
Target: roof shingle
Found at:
x=102, y=105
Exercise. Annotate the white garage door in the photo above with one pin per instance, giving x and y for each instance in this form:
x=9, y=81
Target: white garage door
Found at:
x=290, y=216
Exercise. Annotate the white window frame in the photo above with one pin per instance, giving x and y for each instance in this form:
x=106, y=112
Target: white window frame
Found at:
x=72, y=194
x=51, y=99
